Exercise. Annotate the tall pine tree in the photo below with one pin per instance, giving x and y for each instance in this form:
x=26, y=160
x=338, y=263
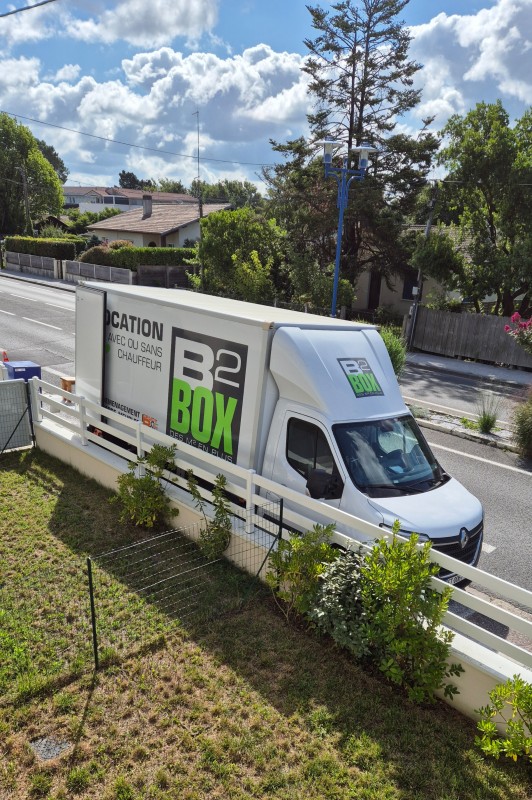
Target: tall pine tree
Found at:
x=361, y=79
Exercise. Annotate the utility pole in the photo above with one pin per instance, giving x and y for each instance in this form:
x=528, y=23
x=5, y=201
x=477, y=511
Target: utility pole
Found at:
x=417, y=290
x=200, y=203
x=29, y=226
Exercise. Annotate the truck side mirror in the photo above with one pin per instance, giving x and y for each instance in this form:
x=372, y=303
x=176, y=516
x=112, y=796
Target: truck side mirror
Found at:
x=322, y=485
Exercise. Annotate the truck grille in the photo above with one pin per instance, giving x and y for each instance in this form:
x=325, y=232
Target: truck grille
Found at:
x=470, y=554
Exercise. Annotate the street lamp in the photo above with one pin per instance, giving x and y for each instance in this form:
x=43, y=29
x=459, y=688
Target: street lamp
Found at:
x=344, y=178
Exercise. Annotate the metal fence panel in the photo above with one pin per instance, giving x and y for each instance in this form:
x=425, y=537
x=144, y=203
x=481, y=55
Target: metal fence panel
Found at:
x=15, y=421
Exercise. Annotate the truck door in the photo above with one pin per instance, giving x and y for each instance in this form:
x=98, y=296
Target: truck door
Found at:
x=305, y=460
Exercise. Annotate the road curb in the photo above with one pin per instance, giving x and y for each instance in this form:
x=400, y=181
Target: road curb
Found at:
x=471, y=436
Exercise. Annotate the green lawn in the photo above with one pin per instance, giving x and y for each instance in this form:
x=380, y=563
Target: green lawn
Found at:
x=243, y=706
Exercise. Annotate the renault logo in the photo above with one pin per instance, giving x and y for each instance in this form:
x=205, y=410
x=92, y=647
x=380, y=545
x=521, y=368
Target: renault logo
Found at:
x=464, y=537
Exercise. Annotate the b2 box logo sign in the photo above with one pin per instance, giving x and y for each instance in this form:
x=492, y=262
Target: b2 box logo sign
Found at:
x=360, y=376
x=206, y=392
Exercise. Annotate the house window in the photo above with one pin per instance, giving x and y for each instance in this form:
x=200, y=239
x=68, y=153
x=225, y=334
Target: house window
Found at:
x=409, y=282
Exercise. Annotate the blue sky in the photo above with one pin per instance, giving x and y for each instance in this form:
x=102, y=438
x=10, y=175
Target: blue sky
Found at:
x=138, y=70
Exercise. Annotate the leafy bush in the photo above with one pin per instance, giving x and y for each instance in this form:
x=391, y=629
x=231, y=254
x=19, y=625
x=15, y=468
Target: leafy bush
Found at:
x=440, y=302
x=118, y=243
x=338, y=609
x=215, y=535
x=382, y=608
x=129, y=257
x=396, y=348
x=61, y=249
x=521, y=331
x=143, y=498
x=515, y=698
x=522, y=420
x=403, y=615
x=296, y=566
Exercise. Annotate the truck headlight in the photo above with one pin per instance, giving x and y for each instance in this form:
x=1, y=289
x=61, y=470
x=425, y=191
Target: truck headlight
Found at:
x=421, y=537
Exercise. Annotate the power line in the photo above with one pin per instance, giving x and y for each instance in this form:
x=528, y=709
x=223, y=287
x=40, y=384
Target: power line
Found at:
x=26, y=8
x=137, y=146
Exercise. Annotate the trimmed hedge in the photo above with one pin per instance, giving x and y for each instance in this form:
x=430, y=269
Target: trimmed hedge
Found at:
x=132, y=257
x=61, y=249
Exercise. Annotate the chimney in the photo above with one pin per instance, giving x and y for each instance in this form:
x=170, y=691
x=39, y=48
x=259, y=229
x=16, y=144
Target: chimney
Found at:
x=146, y=204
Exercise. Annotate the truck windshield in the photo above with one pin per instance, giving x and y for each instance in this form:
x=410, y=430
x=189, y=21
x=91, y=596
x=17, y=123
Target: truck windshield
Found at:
x=388, y=457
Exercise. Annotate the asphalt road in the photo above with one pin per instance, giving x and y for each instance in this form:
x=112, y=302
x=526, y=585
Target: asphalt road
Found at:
x=457, y=393
x=37, y=324
x=503, y=483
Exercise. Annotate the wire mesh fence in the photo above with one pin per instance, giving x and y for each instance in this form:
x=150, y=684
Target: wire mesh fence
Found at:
x=142, y=592
x=15, y=420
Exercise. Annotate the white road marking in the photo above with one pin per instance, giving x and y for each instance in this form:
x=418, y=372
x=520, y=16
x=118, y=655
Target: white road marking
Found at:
x=54, y=305
x=23, y=297
x=437, y=407
x=488, y=548
x=36, y=321
x=9, y=313
x=478, y=458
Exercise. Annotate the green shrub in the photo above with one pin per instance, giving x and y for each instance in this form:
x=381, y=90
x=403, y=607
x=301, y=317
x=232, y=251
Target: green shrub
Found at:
x=129, y=257
x=338, y=609
x=61, y=249
x=295, y=568
x=215, y=535
x=396, y=348
x=143, y=498
x=382, y=608
x=512, y=703
x=522, y=420
x=118, y=243
x=403, y=616
x=99, y=254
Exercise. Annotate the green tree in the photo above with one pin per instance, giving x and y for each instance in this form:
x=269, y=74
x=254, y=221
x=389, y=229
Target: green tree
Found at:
x=239, y=244
x=79, y=221
x=26, y=176
x=236, y=193
x=55, y=160
x=128, y=180
x=171, y=185
x=489, y=168
x=361, y=80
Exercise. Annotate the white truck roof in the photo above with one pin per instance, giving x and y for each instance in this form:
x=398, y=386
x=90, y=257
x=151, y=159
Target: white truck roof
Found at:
x=253, y=313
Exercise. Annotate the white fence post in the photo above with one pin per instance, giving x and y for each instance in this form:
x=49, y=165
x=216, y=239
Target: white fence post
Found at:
x=141, y=470
x=82, y=420
x=35, y=400
x=250, y=491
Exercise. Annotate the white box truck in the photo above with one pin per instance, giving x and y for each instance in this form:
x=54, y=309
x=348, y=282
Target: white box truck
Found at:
x=310, y=402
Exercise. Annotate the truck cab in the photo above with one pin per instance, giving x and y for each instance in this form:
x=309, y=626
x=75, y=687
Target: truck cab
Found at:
x=362, y=451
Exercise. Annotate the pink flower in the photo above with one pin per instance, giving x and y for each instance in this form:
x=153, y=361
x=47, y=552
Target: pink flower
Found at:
x=507, y=328
x=515, y=317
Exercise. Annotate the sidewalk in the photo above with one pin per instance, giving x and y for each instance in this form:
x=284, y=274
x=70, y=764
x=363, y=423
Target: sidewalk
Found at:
x=38, y=279
x=472, y=369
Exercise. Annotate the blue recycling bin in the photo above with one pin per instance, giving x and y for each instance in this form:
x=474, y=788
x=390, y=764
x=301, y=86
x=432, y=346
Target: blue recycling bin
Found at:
x=22, y=369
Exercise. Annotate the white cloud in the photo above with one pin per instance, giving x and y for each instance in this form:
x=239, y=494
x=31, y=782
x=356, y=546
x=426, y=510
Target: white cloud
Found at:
x=70, y=72
x=138, y=22
x=243, y=100
x=474, y=57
